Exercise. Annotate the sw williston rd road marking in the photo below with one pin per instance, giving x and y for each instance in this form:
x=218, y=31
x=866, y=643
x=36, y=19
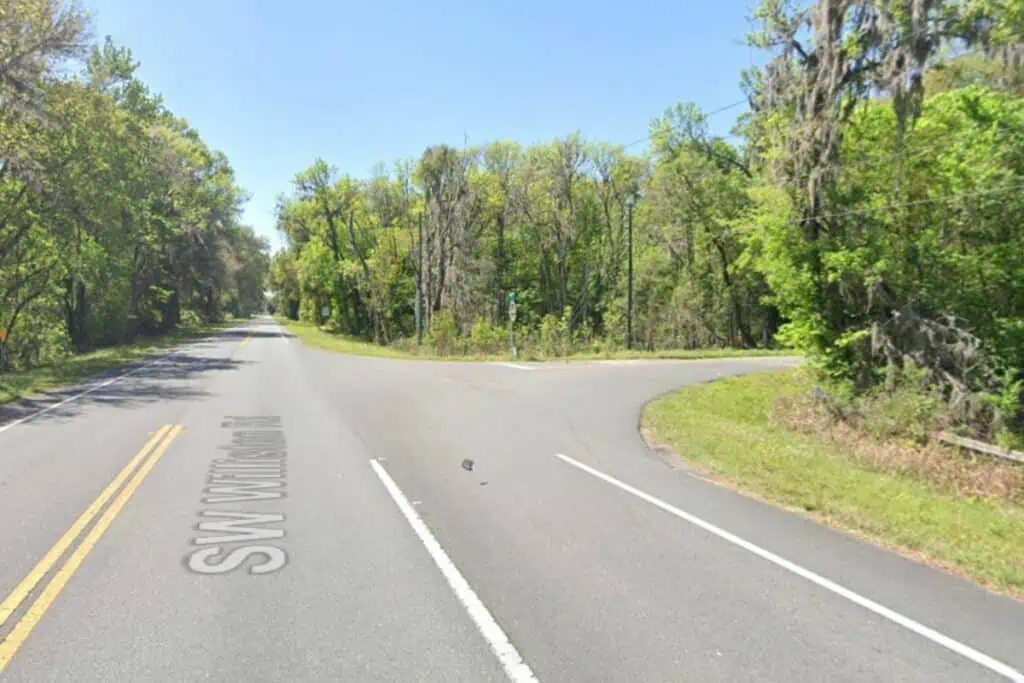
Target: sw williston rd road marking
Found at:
x=252, y=473
x=148, y=457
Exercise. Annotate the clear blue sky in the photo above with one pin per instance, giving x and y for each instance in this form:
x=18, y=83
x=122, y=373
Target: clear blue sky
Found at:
x=276, y=83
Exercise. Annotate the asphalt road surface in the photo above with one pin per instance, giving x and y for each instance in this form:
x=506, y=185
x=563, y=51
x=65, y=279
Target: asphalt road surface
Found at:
x=247, y=509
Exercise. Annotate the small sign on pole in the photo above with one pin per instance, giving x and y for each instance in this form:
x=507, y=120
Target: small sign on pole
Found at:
x=325, y=312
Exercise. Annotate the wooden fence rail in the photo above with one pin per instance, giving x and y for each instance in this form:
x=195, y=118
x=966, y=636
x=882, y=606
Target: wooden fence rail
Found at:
x=981, y=447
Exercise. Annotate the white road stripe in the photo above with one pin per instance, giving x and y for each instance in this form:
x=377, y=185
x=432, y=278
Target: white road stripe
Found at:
x=517, y=366
x=516, y=669
x=107, y=383
x=102, y=385
x=906, y=622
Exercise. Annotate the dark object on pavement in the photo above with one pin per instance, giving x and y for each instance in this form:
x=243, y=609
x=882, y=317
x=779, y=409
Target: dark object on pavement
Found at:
x=467, y=465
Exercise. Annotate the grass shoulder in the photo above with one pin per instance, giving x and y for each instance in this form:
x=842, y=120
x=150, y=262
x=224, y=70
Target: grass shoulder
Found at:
x=313, y=336
x=79, y=367
x=317, y=337
x=730, y=429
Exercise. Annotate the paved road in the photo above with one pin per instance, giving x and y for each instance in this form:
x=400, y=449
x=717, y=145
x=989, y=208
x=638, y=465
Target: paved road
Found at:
x=302, y=516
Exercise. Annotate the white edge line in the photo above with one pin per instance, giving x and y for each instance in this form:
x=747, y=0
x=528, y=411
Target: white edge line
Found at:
x=945, y=641
x=107, y=383
x=517, y=366
x=516, y=669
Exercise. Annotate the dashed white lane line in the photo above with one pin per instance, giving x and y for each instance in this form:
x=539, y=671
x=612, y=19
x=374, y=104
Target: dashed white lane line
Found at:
x=516, y=669
x=517, y=366
x=906, y=622
x=101, y=385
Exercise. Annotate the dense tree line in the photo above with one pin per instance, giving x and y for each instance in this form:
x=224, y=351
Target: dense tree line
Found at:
x=115, y=218
x=867, y=211
x=550, y=223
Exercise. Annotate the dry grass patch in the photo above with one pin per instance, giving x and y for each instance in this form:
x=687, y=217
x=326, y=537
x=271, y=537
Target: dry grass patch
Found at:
x=945, y=468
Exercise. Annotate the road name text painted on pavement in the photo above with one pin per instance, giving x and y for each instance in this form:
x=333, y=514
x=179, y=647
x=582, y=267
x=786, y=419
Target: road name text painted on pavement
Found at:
x=253, y=473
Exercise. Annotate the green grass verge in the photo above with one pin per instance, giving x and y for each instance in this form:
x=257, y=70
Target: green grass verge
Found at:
x=679, y=354
x=313, y=336
x=726, y=429
x=82, y=366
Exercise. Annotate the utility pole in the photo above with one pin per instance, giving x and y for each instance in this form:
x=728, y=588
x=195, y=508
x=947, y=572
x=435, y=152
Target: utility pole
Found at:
x=419, y=279
x=629, y=291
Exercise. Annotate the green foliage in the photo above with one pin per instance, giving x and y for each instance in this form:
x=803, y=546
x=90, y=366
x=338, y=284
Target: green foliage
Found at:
x=555, y=336
x=549, y=223
x=614, y=331
x=907, y=409
x=887, y=222
x=115, y=219
x=444, y=333
x=486, y=338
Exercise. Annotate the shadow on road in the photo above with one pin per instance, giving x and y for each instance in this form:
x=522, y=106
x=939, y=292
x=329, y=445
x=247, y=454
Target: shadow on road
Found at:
x=251, y=332
x=146, y=384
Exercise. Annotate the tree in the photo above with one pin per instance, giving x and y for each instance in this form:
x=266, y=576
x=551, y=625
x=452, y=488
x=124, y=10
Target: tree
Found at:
x=115, y=217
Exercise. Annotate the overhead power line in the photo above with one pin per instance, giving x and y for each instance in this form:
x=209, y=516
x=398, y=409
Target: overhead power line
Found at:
x=948, y=199
x=708, y=115
x=733, y=105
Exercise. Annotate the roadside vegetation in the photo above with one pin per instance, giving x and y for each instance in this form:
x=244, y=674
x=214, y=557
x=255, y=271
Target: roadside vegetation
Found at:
x=118, y=224
x=766, y=435
x=494, y=345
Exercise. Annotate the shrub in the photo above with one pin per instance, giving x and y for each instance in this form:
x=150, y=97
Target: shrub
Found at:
x=444, y=333
x=554, y=335
x=614, y=331
x=486, y=338
x=190, y=318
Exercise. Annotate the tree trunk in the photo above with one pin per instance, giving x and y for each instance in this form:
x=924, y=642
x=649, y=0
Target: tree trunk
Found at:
x=366, y=275
x=419, y=281
x=74, y=311
x=135, y=297
x=747, y=339
x=499, y=278
x=771, y=318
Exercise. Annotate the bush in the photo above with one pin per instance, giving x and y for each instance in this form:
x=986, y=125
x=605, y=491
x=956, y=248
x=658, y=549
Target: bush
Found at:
x=190, y=318
x=908, y=410
x=614, y=331
x=443, y=334
x=485, y=338
x=904, y=413
x=39, y=338
x=554, y=336
x=309, y=311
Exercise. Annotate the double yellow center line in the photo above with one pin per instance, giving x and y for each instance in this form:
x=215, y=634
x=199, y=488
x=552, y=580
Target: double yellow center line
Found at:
x=134, y=472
